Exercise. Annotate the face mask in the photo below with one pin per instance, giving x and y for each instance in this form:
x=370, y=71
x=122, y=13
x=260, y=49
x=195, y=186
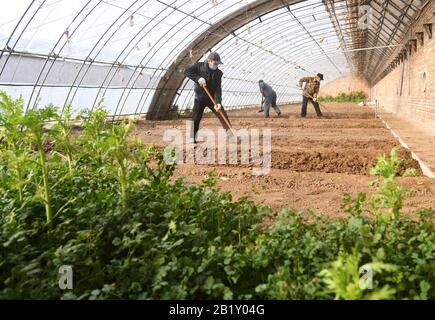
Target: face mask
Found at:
x=213, y=67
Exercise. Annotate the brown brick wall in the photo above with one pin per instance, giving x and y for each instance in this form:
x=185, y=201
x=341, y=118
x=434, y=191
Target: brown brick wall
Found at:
x=346, y=84
x=415, y=98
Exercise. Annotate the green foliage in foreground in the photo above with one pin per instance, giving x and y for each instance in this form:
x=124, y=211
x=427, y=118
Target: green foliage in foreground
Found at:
x=358, y=96
x=108, y=207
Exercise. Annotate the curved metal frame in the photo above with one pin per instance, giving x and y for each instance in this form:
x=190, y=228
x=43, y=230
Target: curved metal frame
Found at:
x=269, y=20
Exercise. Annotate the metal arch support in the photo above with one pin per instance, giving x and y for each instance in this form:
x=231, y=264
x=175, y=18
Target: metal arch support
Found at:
x=173, y=79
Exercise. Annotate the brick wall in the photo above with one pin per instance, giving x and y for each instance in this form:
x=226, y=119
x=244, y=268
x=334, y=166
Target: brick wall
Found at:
x=409, y=90
x=346, y=84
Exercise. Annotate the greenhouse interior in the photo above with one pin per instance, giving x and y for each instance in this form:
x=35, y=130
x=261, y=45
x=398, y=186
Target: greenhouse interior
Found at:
x=217, y=150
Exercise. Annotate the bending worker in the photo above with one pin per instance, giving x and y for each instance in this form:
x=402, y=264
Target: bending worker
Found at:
x=206, y=74
x=311, y=91
x=269, y=99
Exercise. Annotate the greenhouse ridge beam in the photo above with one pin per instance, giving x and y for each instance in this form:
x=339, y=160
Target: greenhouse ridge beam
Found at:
x=174, y=77
x=315, y=41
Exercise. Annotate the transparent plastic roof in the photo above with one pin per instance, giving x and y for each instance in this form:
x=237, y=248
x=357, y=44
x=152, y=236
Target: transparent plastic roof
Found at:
x=83, y=51
x=82, y=28
x=284, y=46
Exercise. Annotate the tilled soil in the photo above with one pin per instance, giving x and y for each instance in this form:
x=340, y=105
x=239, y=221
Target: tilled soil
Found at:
x=314, y=161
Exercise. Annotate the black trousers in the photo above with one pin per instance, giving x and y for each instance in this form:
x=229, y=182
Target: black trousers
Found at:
x=198, y=112
x=305, y=106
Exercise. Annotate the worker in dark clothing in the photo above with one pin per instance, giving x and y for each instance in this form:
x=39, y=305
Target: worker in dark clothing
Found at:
x=311, y=91
x=206, y=74
x=269, y=99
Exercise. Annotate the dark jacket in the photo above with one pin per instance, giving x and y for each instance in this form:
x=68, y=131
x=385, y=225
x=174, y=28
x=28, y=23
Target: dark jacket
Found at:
x=266, y=90
x=213, y=79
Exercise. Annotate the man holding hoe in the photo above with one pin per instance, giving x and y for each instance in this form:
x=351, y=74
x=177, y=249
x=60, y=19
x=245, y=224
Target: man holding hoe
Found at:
x=208, y=91
x=311, y=91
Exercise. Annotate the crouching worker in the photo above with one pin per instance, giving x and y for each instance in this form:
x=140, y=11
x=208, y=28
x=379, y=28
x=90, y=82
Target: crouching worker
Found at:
x=311, y=91
x=269, y=99
x=206, y=74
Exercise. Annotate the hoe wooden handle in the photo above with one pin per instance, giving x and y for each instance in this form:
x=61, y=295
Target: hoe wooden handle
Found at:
x=220, y=111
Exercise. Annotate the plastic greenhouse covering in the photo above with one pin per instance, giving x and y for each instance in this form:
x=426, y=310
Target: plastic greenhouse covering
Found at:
x=117, y=51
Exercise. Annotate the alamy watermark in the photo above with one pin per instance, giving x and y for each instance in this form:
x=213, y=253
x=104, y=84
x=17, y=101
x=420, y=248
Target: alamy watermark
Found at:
x=366, y=277
x=66, y=278
x=366, y=17
x=237, y=147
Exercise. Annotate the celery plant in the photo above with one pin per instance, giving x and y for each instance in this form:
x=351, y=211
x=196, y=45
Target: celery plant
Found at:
x=34, y=122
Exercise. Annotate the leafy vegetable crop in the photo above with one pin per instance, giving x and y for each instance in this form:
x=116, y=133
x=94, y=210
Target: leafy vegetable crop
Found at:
x=108, y=207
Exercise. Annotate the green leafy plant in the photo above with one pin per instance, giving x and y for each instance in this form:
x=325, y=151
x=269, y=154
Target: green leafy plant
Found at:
x=95, y=134
x=33, y=122
x=411, y=172
x=358, y=96
x=119, y=152
x=390, y=195
x=62, y=135
x=12, y=143
x=130, y=230
x=343, y=279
